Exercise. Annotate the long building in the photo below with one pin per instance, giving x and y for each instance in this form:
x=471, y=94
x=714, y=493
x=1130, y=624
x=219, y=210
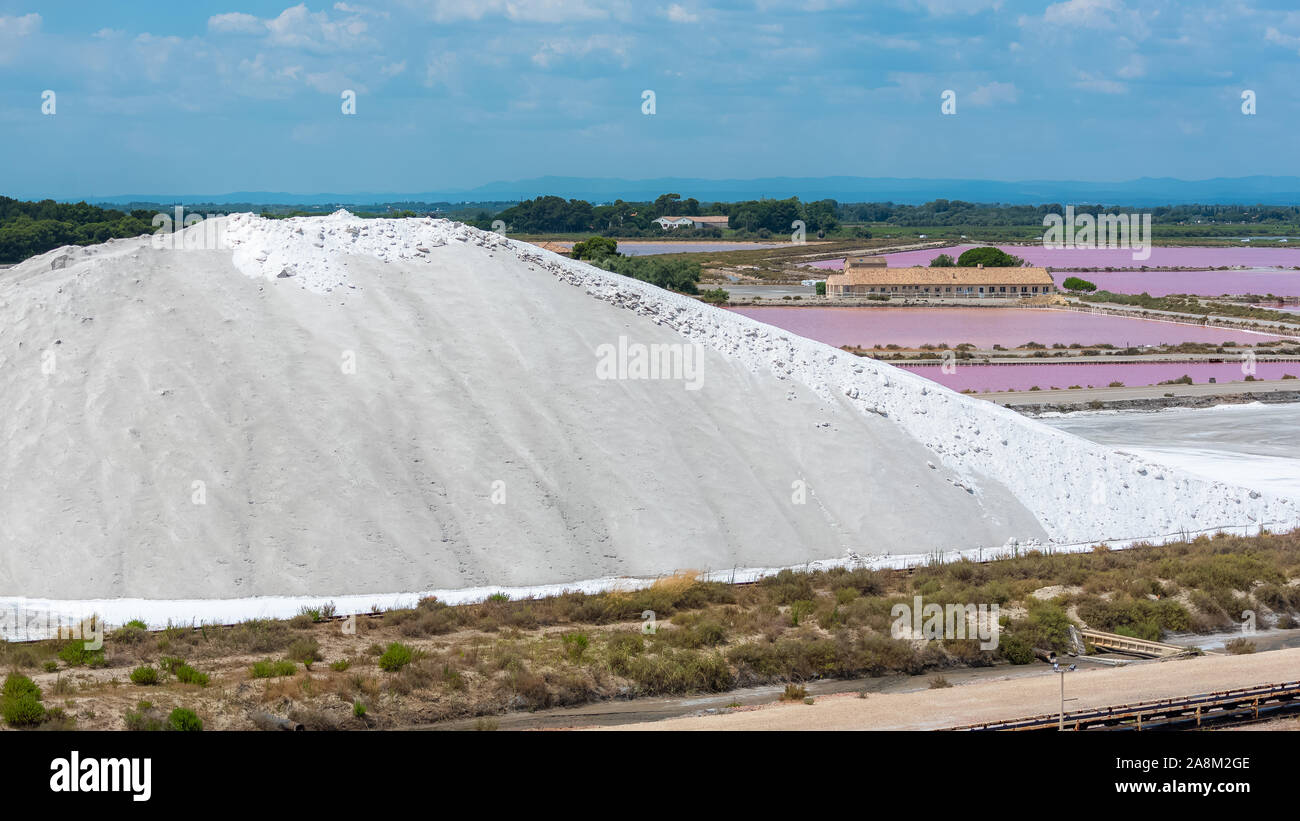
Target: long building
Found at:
x=871, y=276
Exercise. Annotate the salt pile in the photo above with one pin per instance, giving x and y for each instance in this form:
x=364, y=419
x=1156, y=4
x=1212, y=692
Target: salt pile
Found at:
x=331, y=406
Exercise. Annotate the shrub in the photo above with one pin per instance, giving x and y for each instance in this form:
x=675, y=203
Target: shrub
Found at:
x=76, y=655
x=144, y=718
x=184, y=720
x=170, y=663
x=575, y=646
x=679, y=672
x=24, y=711
x=306, y=650
x=188, y=675
x=133, y=632
x=20, y=704
x=340, y=666
x=1077, y=284
x=939, y=683
x=594, y=248
x=17, y=685
x=1015, y=648
x=144, y=675
x=395, y=657
x=1240, y=647
x=622, y=648
x=358, y=709
x=794, y=692
x=273, y=669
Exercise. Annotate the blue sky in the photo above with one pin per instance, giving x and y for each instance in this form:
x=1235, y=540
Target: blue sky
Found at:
x=212, y=97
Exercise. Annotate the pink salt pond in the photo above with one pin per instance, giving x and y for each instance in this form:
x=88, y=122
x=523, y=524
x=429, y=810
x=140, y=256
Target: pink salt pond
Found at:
x=984, y=327
x=981, y=378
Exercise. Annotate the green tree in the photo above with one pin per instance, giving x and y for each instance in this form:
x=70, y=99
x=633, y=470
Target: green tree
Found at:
x=594, y=248
x=989, y=257
x=943, y=261
x=667, y=204
x=1077, y=284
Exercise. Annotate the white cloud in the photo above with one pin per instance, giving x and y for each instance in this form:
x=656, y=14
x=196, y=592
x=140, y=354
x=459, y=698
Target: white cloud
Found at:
x=1273, y=35
x=12, y=31
x=677, y=13
x=440, y=69
x=943, y=7
x=1093, y=82
x=299, y=28
x=994, y=93
x=15, y=27
x=1134, y=68
x=1098, y=14
x=523, y=11
x=236, y=22
x=348, y=8
x=393, y=69
x=155, y=53
x=560, y=48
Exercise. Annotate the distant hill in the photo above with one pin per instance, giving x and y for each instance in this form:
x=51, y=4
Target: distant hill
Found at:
x=1147, y=191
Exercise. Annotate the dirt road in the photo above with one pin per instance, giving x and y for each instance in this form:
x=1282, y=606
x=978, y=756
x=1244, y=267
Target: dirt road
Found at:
x=991, y=700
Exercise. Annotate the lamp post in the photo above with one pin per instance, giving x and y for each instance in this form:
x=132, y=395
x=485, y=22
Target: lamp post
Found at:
x=1057, y=668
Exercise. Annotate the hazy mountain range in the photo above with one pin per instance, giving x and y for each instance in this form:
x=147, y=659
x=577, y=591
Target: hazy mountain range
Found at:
x=1143, y=192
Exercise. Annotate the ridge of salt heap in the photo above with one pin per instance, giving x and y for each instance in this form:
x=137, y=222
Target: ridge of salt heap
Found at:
x=313, y=251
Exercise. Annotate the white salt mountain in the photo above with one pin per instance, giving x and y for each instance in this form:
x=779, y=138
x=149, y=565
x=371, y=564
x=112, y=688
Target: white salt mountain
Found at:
x=331, y=406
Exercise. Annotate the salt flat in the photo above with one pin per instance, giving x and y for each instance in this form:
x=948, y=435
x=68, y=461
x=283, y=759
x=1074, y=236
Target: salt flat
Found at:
x=331, y=406
x=1254, y=445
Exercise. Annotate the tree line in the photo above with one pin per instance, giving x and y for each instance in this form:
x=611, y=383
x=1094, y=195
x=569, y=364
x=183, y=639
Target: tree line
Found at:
x=551, y=214
x=30, y=228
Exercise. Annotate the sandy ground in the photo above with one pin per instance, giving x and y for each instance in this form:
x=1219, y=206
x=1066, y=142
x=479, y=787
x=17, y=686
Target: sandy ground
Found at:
x=1005, y=699
x=339, y=406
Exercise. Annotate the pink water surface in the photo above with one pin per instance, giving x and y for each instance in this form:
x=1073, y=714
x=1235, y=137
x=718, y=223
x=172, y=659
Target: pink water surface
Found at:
x=984, y=327
x=1205, y=283
x=982, y=378
x=1163, y=256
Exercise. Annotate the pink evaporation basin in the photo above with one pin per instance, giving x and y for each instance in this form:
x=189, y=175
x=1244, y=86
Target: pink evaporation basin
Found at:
x=1074, y=258
x=981, y=378
x=1202, y=283
x=985, y=327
